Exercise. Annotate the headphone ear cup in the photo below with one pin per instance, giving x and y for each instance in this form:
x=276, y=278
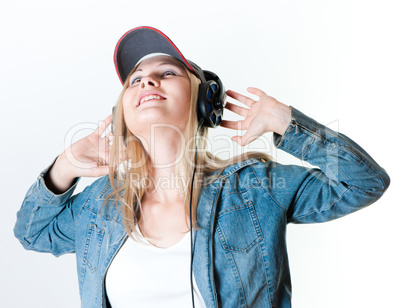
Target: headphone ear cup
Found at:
x=210, y=104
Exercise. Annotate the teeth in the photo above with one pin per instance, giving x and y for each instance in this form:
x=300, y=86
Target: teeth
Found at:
x=149, y=97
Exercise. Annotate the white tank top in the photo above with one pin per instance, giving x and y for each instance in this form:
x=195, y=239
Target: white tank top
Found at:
x=142, y=275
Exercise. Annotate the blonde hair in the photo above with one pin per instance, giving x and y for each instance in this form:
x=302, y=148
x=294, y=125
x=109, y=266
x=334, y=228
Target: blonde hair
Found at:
x=136, y=169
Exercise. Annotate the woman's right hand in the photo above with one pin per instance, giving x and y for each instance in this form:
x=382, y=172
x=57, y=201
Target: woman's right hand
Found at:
x=88, y=157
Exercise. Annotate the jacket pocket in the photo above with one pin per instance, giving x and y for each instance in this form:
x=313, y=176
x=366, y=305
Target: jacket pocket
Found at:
x=238, y=228
x=93, y=246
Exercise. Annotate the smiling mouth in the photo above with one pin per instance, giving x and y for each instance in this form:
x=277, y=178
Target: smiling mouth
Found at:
x=149, y=98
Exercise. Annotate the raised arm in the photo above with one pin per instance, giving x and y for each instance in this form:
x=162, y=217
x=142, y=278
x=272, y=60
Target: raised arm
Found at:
x=88, y=157
x=347, y=177
x=46, y=220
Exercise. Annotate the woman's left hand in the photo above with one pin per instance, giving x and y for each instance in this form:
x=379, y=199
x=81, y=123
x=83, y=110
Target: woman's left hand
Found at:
x=265, y=115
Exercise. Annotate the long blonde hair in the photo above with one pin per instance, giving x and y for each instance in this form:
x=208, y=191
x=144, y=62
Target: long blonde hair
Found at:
x=135, y=171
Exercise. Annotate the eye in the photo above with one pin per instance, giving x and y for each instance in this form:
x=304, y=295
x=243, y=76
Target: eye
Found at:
x=169, y=73
x=135, y=80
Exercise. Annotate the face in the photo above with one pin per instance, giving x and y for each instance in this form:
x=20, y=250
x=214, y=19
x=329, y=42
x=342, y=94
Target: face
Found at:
x=158, y=93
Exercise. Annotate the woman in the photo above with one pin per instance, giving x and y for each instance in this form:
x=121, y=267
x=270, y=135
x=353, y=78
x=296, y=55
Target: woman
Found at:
x=130, y=229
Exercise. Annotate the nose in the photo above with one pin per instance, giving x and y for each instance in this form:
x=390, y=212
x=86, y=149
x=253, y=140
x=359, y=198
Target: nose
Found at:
x=149, y=81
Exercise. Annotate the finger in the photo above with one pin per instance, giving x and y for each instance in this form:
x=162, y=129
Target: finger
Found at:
x=236, y=139
x=239, y=97
x=105, y=123
x=245, y=139
x=237, y=109
x=109, y=136
x=233, y=124
x=256, y=91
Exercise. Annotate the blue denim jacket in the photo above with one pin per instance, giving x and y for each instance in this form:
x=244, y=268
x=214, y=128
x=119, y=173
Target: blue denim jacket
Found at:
x=240, y=256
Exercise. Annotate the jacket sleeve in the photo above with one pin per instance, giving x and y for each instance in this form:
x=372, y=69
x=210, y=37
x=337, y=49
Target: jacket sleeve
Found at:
x=46, y=221
x=347, y=178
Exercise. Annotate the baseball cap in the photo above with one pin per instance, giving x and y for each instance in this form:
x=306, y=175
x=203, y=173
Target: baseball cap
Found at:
x=142, y=42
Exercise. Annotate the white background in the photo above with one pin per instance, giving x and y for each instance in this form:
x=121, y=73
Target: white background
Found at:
x=337, y=61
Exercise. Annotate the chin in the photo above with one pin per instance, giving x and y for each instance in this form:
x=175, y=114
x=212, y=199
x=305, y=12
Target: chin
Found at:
x=146, y=124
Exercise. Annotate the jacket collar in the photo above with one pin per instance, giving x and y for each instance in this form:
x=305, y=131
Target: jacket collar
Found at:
x=236, y=167
x=228, y=171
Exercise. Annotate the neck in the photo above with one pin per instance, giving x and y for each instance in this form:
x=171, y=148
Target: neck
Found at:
x=165, y=149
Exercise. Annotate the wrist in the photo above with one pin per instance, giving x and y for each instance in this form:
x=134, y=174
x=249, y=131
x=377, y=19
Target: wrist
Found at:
x=63, y=168
x=59, y=177
x=282, y=115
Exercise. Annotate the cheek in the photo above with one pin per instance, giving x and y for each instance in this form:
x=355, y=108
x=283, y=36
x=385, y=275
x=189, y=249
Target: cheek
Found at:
x=128, y=97
x=182, y=110
x=128, y=102
x=186, y=98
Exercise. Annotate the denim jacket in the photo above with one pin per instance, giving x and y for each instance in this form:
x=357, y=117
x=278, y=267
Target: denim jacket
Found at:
x=240, y=256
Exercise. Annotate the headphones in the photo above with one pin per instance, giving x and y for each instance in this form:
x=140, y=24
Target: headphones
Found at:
x=211, y=100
